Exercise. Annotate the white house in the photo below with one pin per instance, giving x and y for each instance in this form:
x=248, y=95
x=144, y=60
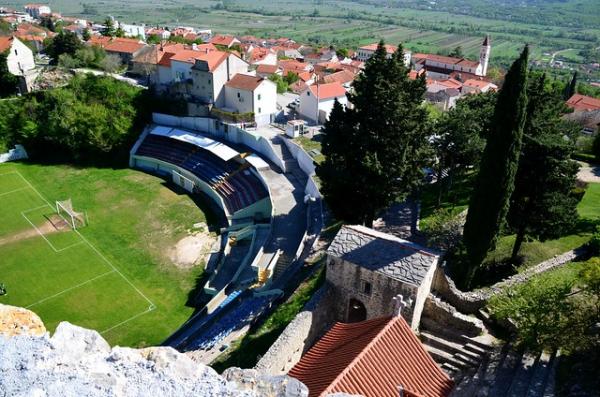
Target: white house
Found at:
x=20, y=57
x=316, y=101
x=367, y=51
x=134, y=30
x=245, y=93
x=210, y=73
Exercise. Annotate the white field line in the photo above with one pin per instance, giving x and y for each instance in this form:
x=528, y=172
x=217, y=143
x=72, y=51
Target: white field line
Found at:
x=9, y=173
x=70, y=289
x=42, y=234
x=39, y=232
x=151, y=306
x=14, y=191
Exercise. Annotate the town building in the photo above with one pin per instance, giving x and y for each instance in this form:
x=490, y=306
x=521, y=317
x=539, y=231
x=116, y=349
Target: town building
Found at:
x=366, y=52
x=37, y=10
x=583, y=103
x=251, y=94
x=381, y=357
x=369, y=270
x=20, y=61
x=224, y=40
x=210, y=73
x=440, y=66
x=125, y=48
x=316, y=101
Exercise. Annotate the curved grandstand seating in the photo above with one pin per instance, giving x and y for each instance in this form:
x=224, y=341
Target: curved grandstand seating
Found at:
x=238, y=187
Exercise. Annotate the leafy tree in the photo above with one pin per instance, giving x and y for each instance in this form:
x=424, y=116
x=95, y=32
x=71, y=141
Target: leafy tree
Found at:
x=5, y=27
x=542, y=204
x=110, y=63
x=86, y=35
x=385, y=144
x=8, y=81
x=571, y=88
x=47, y=22
x=119, y=32
x=341, y=53
x=109, y=28
x=291, y=78
x=457, y=52
x=282, y=85
x=64, y=42
x=459, y=137
x=489, y=202
x=153, y=39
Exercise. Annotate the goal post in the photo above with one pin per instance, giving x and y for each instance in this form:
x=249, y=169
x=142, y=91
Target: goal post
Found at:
x=73, y=218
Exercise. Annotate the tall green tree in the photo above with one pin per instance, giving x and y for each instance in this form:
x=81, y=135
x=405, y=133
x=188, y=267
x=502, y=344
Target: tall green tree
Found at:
x=47, y=22
x=542, y=204
x=86, y=35
x=65, y=42
x=109, y=28
x=8, y=81
x=489, y=202
x=571, y=88
x=387, y=140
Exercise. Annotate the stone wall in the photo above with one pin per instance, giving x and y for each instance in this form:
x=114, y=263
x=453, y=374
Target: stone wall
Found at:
x=471, y=302
x=311, y=323
x=438, y=313
x=346, y=279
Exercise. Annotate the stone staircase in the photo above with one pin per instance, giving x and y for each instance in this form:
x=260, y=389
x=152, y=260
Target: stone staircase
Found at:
x=455, y=353
x=282, y=264
x=512, y=373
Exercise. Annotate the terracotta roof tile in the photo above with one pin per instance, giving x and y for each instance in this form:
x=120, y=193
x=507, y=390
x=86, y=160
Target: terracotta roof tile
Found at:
x=222, y=40
x=582, y=102
x=212, y=58
x=390, y=49
x=5, y=43
x=371, y=358
x=122, y=45
x=342, y=77
x=445, y=60
x=267, y=69
x=244, y=82
x=328, y=90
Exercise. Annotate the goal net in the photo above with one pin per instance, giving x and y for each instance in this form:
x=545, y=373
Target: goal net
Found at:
x=65, y=210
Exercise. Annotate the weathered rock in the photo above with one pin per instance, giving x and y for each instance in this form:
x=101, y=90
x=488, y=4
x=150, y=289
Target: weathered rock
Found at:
x=79, y=362
x=19, y=321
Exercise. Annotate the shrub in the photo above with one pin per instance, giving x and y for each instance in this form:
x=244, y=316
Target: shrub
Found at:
x=594, y=243
x=443, y=229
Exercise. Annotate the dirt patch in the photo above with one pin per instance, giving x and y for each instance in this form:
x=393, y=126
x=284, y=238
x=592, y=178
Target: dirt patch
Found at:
x=53, y=224
x=189, y=250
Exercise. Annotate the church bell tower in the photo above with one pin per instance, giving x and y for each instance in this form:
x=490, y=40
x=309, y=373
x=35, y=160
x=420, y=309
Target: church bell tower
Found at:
x=484, y=55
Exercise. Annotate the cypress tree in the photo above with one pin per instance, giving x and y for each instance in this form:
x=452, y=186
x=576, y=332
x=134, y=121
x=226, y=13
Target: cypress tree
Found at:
x=542, y=204
x=489, y=202
x=571, y=88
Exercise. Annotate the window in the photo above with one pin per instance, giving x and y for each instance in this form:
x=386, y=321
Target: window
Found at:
x=16, y=52
x=209, y=81
x=238, y=94
x=259, y=110
x=307, y=93
x=365, y=287
x=259, y=98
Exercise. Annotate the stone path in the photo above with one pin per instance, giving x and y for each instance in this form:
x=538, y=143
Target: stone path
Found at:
x=589, y=172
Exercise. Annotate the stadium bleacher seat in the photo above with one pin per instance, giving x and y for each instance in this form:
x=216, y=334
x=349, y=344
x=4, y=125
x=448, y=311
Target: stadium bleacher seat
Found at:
x=238, y=188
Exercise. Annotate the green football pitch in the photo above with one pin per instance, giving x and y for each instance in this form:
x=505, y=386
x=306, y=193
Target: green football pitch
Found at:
x=99, y=276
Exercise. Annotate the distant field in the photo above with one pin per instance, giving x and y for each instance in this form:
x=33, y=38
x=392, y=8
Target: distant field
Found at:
x=422, y=26
x=112, y=275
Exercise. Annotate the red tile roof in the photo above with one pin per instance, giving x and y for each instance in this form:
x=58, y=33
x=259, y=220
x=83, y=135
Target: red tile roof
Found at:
x=212, y=58
x=267, y=69
x=371, y=358
x=390, y=49
x=328, y=90
x=5, y=43
x=445, y=60
x=342, y=77
x=122, y=45
x=222, y=40
x=244, y=82
x=584, y=103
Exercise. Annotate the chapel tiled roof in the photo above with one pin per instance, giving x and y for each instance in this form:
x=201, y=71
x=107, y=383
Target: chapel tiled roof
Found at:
x=380, y=252
x=582, y=102
x=371, y=358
